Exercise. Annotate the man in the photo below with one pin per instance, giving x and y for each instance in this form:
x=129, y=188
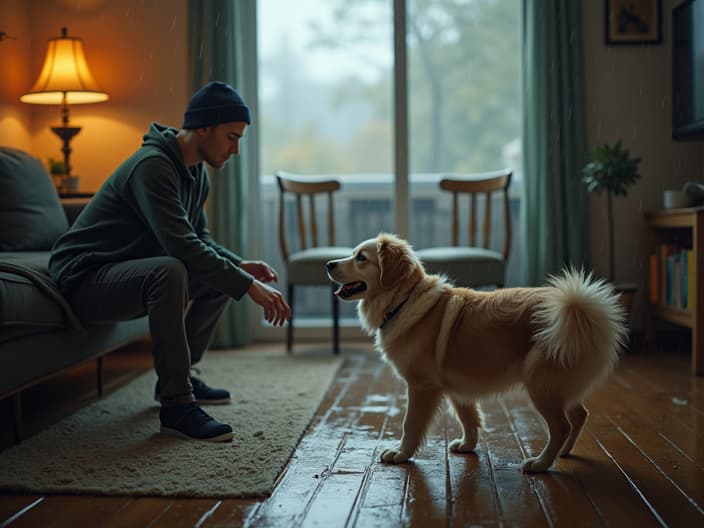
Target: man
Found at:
x=142, y=245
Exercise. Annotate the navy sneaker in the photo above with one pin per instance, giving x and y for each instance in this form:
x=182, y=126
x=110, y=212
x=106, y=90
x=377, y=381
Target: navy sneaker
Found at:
x=204, y=395
x=190, y=421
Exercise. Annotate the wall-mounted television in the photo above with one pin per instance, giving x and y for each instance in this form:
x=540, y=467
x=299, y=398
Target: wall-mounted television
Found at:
x=688, y=70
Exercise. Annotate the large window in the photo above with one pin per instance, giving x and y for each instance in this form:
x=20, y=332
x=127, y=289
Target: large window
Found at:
x=326, y=89
x=464, y=78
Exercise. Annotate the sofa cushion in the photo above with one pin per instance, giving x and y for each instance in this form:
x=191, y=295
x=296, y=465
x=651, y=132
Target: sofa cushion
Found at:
x=30, y=302
x=23, y=304
x=31, y=214
x=35, y=260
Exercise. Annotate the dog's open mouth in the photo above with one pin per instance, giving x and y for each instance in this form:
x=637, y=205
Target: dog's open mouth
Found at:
x=350, y=288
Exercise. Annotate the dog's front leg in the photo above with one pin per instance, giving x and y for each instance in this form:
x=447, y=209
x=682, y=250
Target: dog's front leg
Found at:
x=422, y=403
x=470, y=418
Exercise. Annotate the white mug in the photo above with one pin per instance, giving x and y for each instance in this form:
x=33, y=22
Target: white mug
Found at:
x=676, y=199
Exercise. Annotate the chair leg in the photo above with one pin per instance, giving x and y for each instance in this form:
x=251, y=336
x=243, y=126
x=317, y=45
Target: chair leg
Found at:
x=289, y=329
x=17, y=416
x=100, y=371
x=335, y=322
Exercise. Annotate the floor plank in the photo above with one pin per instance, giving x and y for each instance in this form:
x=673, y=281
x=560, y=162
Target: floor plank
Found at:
x=655, y=409
x=12, y=507
x=67, y=510
x=139, y=512
x=231, y=512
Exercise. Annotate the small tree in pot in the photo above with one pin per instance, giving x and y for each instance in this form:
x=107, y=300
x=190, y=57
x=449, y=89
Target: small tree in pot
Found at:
x=613, y=170
x=57, y=169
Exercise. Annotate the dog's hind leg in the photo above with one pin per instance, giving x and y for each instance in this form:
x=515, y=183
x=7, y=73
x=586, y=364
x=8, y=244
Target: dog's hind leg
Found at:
x=470, y=418
x=577, y=417
x=553, y=412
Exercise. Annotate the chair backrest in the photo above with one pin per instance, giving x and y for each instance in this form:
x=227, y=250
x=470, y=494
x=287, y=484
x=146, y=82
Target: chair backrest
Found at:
x=485, y=183
x=308, y=188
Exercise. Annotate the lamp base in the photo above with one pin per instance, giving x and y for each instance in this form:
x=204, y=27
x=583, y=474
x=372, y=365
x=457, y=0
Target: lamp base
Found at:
x=66, y=133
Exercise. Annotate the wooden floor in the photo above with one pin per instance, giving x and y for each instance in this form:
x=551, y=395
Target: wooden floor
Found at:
x=640, y=461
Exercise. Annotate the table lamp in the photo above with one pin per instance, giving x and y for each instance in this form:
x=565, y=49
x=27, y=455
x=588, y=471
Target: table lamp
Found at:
x=65, y=79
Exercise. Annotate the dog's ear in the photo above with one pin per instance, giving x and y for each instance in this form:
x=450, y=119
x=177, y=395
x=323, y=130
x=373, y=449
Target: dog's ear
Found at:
x=396, y=261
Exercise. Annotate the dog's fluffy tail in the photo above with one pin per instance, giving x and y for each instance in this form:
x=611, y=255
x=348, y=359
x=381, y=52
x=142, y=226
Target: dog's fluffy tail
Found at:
x=580, y=320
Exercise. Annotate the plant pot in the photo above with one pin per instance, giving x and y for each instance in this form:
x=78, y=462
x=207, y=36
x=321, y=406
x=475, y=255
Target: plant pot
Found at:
x=58, y=179
x=70, y=184
x=627, y=293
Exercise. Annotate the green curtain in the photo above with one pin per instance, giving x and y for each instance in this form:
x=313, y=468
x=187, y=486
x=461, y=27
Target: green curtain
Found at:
x=554, y=219
x=215, y=45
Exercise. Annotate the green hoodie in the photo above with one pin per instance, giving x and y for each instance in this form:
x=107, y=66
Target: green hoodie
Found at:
x=152, y=205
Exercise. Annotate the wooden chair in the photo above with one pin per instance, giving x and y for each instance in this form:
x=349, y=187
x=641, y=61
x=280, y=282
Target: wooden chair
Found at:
x=306, y=264
x=473, y=265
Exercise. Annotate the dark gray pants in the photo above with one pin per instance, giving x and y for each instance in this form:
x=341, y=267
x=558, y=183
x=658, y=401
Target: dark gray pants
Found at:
x=159, y=287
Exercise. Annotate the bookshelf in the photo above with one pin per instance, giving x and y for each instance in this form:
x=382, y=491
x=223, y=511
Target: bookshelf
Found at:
x=683, y=228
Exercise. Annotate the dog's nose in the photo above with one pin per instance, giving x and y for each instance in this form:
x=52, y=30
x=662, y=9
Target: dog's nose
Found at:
x=331, y=264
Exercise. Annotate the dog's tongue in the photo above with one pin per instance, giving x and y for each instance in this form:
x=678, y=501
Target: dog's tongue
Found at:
x=348, y=289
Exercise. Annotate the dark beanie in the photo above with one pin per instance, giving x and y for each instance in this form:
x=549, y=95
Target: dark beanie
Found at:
x=217, y=102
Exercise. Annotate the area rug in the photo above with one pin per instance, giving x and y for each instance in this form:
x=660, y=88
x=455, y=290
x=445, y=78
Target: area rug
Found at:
x=113, y=446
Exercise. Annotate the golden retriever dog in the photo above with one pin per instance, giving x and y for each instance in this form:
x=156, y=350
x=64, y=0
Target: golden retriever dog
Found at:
x=462, y=344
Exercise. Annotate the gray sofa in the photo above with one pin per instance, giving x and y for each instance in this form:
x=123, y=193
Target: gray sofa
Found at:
x=40, y=336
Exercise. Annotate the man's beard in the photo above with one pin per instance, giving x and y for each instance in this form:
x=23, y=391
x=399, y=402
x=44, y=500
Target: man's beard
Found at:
x=216, y=163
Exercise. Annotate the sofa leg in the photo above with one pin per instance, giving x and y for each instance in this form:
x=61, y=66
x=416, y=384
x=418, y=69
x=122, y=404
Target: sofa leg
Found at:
x=17, y=416
x=100, y=362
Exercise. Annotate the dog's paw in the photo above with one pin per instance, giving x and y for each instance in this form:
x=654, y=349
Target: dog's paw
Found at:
x=535, y=465
x=394, y=456
x=460, y=445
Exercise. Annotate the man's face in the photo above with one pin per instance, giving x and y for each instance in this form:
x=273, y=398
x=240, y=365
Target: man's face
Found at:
x=220, y=142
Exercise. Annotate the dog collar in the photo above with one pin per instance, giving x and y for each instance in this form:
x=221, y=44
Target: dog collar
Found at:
x=390, y=314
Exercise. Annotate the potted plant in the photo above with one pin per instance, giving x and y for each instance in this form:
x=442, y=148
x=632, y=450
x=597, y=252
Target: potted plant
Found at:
x=612, y=170
x=57, y=169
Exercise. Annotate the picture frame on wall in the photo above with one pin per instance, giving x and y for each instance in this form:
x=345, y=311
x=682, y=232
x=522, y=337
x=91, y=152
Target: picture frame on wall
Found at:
x=633, y=22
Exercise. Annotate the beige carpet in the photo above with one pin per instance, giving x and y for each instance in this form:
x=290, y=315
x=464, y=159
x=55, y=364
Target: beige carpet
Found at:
x=112, y=447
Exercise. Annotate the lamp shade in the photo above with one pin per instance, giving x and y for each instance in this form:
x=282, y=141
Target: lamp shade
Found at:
x=65, y=77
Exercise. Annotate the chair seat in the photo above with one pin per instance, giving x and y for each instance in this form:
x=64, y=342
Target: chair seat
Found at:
x=465, y=266
x=308, y=265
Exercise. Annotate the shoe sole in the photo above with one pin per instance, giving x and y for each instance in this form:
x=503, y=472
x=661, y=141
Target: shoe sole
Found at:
x=225, y=437
x=223, y=401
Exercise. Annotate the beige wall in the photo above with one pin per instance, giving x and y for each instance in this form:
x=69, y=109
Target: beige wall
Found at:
x=15, y=56
x=137, y=53
x=627, y=95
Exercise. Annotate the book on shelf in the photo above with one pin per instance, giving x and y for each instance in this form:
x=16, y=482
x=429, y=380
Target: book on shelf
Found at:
x=671, y=276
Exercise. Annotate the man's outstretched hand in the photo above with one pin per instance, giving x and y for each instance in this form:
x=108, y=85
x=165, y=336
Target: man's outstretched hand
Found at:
x=259, y=270
x=276, y=310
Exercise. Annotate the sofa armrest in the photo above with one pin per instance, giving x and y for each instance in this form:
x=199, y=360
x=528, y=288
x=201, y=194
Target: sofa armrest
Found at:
x=73, y=207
